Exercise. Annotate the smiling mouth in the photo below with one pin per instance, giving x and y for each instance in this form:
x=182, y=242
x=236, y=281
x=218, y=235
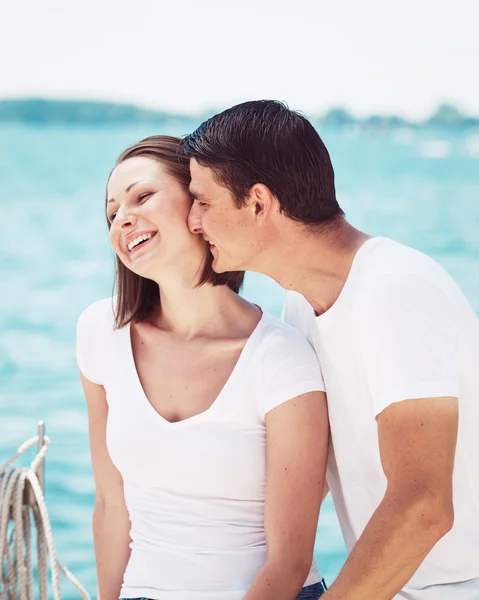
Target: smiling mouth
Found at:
x=139, y=242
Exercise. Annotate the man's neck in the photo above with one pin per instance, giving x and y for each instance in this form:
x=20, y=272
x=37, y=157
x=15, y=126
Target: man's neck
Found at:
x=316, y=265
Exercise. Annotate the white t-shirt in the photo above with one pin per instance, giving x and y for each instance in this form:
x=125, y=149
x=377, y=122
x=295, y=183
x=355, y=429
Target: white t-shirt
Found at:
x=401, y=328
x=195, y=489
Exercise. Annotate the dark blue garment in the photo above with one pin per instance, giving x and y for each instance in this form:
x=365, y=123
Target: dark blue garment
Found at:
x=310, y=592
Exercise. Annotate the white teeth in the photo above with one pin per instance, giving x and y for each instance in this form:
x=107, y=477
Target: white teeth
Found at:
x=136, y=241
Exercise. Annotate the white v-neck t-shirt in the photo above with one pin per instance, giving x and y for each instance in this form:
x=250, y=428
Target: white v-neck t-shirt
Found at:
x=195, y=489
x=401, y=328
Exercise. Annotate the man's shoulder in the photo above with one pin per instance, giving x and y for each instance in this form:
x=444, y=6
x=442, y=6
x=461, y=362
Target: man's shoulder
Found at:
x=403, y=286
x=393, y=268
x=389, y=257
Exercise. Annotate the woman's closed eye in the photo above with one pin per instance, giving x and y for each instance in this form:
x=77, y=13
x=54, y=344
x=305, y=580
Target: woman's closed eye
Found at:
x=139, y=199
x=142, y=197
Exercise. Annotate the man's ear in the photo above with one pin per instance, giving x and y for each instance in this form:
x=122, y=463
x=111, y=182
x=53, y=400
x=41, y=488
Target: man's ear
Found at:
x=261, y=200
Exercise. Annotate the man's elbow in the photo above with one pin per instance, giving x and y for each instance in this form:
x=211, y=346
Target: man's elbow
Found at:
x=430, y=512
x=441, y=518
x=438, y=507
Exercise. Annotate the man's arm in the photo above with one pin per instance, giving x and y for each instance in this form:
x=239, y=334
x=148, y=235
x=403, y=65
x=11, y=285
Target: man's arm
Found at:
x=417, y=440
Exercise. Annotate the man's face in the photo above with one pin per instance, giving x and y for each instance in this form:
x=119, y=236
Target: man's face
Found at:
x=229, y=230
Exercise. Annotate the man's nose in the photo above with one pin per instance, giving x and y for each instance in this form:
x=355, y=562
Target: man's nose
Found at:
x=194, y=220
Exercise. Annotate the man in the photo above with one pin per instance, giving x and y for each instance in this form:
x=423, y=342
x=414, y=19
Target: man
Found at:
x=397, y=341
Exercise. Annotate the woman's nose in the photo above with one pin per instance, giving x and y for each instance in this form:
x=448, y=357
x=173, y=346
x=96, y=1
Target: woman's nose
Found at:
x=125, y=219
x=194, y=220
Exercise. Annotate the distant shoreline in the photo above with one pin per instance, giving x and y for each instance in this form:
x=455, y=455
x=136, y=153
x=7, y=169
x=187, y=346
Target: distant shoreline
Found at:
x=96, y=113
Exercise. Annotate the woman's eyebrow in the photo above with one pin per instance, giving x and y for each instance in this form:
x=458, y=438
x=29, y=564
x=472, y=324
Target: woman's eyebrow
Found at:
x=131, y=186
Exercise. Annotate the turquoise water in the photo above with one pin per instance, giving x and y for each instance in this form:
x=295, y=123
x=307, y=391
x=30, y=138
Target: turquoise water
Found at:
x=421, y=188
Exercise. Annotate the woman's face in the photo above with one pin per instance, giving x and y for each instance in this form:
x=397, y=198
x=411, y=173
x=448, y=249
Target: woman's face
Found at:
x=148, y=210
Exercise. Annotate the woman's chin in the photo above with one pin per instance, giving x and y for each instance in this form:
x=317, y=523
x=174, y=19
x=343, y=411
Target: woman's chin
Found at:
x=141, y=268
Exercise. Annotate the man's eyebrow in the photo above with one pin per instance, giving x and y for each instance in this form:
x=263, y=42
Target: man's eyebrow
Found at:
x=195, y=194
x=132, y=185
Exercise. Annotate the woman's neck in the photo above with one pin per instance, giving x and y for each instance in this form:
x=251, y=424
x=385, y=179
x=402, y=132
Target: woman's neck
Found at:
x=207, y=310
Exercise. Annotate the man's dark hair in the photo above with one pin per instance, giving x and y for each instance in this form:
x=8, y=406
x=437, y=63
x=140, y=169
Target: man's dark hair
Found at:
x=263, y=141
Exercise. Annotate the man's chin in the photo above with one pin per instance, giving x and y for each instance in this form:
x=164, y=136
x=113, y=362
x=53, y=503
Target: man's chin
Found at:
x=219, y=267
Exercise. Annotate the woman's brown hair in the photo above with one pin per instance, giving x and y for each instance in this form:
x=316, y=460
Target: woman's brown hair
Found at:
x=138, y=297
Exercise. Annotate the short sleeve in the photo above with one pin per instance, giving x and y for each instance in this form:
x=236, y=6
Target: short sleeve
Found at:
x=290, y=368
x=88, y=344
x=291, y=308
x=287, y=313
x=408, y=341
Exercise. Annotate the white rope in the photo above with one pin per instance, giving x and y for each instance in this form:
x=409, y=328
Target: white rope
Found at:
x=16, y=515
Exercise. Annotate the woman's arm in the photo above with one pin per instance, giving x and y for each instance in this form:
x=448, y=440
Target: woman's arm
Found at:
x=111, y=522
x=296, y=451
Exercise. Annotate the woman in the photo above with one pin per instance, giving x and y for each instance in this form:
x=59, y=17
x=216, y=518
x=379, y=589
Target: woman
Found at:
x=193, y=395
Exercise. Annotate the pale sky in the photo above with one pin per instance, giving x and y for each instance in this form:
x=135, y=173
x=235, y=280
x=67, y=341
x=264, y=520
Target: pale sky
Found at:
x=370, y=56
